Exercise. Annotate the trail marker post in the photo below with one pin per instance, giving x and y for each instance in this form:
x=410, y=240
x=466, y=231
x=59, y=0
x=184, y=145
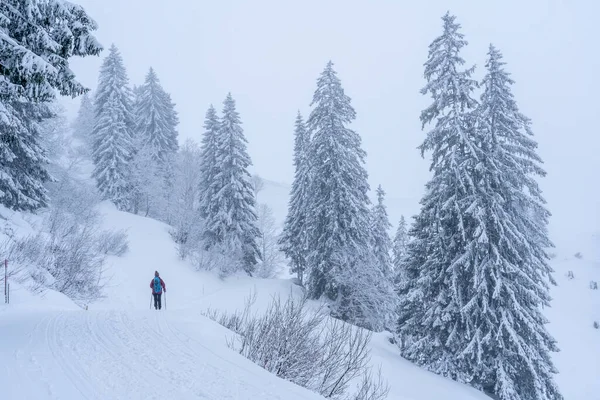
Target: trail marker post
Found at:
x=6, y=281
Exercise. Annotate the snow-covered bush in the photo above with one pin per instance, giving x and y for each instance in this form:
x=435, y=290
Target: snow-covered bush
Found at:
x=596, y=325
x=224, y=258
x=593, y=285
x=578, y=255
x=306, y=347
x=68, y=254
x=68, y=250
x=570, y=275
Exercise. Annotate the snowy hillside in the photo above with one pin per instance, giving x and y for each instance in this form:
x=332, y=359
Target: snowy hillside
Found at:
x=52, y=349
x=575, y=305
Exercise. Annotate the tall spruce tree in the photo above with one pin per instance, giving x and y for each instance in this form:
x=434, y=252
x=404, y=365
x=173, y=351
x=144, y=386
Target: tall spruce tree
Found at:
x=400, y=244
x=232, y=218
x=209, y=166
x=113, y=132
x=338, y=224
x=156, y=119
x=380, y=225
x=83, y=126
x=508, y=352
x=431, y=324
x=37, y=39
x=293, y=241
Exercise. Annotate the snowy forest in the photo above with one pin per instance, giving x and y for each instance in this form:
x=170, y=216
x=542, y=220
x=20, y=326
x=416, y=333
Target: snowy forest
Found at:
x=462, y=285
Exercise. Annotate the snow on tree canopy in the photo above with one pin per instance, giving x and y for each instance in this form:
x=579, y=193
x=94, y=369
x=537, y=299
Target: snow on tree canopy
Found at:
x=508, y=352
x=477, y=271
x=156, y=119
x=338, y=201
x=37, y=38
x=400, y=244
x=83, y=125
x=113, y=132
x=232, y=218
x=209, y=167
x=380, y=224
x=22, y=159
x=293, y=240
x=430, y=323
x=341, y=264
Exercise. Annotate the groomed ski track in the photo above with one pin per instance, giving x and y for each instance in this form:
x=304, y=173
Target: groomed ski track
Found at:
x=112, y=354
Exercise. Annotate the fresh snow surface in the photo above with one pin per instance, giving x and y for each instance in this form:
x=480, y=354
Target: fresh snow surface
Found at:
x=575, y=307
x=120, y=349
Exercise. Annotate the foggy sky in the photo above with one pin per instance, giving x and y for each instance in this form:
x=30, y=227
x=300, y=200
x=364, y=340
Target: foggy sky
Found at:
x=269, y=53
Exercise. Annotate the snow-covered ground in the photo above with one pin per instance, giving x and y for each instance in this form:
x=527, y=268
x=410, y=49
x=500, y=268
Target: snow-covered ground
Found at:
x=121, y=349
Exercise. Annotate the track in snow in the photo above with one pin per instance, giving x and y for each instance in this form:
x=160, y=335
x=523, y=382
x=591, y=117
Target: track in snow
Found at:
x=114, y=354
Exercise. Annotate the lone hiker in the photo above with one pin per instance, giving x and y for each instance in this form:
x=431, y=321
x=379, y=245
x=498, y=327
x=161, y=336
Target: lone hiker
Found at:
x=158, y=286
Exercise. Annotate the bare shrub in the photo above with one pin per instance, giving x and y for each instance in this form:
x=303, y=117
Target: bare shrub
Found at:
x=578, y=255
x=371, y=388
x=306, y=347
x=112, y=243
x=232, y=321
x=596, y=325
x=593, y=285
x=69, y=251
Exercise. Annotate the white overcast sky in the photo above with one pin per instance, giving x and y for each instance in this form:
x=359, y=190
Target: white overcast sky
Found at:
x=269, y=53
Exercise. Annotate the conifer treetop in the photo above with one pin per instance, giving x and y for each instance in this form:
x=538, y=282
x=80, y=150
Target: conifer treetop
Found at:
x=330, y=100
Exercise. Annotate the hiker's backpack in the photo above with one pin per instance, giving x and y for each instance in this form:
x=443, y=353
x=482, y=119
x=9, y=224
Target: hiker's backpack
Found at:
x=157, y=286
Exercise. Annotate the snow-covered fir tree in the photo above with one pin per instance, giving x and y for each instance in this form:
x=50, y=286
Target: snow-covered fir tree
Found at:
x=508, y=352
x=113, y=132
x=431, y=325
x=380, y=225
x=293, y=241
x=232, y=218
x=399, y=249
x=155, y=147
x=399, y=244
x=338, y=233
x=382, y=252
x=23, y=161
x=83, y=125
x=156, y=119
x=209, y=166
x=37, y=39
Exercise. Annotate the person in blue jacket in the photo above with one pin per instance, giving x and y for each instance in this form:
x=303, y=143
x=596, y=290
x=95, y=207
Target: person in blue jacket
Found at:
x=158, y=287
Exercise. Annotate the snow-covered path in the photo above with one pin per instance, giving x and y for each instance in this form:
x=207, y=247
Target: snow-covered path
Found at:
x=120, y=349
x=116, y=354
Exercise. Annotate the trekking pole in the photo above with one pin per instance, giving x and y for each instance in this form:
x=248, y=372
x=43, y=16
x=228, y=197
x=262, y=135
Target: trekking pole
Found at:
x=151, y=301
x=165, y=300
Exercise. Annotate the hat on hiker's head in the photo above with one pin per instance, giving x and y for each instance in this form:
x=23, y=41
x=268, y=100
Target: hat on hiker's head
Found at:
x=155, y=273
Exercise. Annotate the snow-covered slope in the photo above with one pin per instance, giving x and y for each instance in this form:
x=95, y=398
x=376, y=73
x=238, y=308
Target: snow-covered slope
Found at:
x=575, y=307
x=119, y=348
